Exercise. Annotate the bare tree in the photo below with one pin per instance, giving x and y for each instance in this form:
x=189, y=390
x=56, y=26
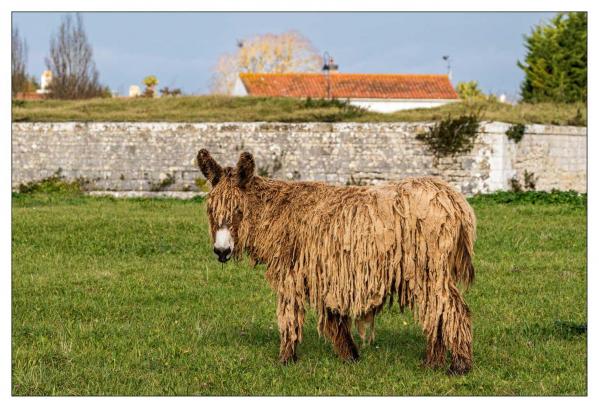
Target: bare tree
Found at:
x=18, y=62
x=74, y=73
x=287, y=52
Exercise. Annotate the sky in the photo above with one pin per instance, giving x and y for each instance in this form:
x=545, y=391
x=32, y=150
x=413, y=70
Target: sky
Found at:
x=182, y=48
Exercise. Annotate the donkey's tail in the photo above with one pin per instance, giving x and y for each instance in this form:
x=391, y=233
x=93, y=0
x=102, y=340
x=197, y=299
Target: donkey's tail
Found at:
x=464, y=270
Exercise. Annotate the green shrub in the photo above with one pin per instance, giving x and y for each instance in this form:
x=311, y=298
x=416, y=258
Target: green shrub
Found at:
x=202, y=184
x=343, y=110
x=516, y=132
x=469, y=90
x=452, y=135
x=515, y=185
x=355, y=182
x=532, y=197
x=55, y=184
x=163, y=184
x=580, y=119
x=530, y=180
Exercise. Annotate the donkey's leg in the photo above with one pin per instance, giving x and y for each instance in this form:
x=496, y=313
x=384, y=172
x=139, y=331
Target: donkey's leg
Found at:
x=290, y=317
x=435, y=348
x=338, y=329
x=457, y=332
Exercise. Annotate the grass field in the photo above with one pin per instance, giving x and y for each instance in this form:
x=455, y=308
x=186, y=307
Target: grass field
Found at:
x=256, y=109
x=124, y=297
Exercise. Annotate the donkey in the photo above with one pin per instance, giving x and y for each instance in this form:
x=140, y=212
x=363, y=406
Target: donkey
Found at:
x=347, y=250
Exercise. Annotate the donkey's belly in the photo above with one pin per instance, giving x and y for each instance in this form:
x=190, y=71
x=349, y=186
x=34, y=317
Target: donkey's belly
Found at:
x=356, y=293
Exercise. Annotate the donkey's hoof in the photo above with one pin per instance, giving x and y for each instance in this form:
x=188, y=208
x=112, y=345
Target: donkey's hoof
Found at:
x=351, y=356
x=353, y=359
x=288, y=359
x=432, y=364
x=459, y=368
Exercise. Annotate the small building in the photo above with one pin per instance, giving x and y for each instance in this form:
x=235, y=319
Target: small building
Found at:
x=45, y=81
x=38, y=94
x=134, y=91
x=376, y=92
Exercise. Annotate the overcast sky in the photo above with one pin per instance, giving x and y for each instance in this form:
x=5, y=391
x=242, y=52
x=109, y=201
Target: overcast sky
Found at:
x=181, y=48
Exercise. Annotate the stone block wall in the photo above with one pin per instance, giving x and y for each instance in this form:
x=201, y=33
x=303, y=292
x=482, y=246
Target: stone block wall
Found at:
x=161, y=156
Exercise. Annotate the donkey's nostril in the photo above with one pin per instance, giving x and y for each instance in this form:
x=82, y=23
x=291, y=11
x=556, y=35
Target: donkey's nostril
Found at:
x=222, y=253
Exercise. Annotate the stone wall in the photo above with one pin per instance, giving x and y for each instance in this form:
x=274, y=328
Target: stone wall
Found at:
x=161, y=156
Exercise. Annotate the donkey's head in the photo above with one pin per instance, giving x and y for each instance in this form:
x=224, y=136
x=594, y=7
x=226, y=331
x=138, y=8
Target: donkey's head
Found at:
x=227, y=200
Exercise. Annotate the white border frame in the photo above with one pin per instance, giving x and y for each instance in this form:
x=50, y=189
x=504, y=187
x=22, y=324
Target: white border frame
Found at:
x=8, y=6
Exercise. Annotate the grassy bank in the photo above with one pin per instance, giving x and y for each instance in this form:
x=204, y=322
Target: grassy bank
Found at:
x=124, y=297
x=254, y=109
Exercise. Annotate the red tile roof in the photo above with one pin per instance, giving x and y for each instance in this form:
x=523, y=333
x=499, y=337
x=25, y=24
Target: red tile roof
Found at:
x=375, y=86
x=30, y=96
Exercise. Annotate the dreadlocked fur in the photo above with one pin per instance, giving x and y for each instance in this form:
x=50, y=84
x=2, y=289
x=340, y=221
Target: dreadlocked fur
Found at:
x=346, y=251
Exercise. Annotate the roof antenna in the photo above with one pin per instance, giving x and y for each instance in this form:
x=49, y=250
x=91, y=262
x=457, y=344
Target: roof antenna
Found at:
x=446, y=59
x=328, y=65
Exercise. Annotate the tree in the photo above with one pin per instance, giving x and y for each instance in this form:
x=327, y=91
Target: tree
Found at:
x=469, y=90
x=287, y=52
x=150, y=82
x=74, y=73
x=555, y=66
x=18, y=67
x=31, y=84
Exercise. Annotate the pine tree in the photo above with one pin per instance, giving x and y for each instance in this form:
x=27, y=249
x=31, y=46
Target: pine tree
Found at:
x=556, y=62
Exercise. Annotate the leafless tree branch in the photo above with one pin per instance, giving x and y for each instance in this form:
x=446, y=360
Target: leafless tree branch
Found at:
x=74, y=73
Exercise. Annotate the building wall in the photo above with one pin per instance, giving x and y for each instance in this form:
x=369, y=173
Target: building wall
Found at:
x=387, y=106
x=239, y=88
x=151, y=156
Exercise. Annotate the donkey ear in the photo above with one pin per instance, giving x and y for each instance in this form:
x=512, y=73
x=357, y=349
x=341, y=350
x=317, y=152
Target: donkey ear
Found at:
x=245, y=168
x=209, y=167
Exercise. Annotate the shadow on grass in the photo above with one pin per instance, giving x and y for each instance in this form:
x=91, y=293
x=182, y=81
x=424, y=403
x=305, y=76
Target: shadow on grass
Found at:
x=407, y=344
x=558, y=329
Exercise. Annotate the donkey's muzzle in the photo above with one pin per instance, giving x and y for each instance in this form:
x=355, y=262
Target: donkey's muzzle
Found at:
x=224, y=254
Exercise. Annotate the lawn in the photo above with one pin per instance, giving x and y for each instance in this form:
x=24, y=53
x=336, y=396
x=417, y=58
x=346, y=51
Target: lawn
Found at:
x=124, y=297
x=252, y=109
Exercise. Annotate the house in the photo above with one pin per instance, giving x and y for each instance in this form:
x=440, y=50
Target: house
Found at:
x=46, y=81
x=376, y=92
x=134, y=91
x=38, y=94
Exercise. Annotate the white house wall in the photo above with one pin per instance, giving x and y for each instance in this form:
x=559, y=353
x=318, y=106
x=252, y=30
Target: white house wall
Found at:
x=387, y=106
x=239, y=88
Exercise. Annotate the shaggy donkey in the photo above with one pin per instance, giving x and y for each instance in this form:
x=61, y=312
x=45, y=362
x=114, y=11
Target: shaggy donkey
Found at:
x=347, y=250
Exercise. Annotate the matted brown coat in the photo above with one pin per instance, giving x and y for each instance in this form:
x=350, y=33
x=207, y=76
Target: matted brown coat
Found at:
x=347, y=251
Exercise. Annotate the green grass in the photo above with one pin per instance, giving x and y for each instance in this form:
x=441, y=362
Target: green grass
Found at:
x=124, y=297
x=257, y=109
